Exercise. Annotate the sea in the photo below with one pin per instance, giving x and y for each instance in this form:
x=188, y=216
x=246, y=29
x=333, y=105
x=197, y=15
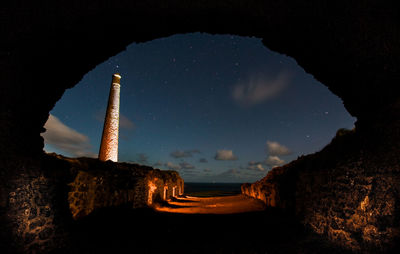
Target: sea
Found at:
x=212, y=189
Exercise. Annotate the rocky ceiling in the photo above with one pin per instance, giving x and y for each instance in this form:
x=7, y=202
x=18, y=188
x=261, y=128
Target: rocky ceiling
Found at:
x=46, y=47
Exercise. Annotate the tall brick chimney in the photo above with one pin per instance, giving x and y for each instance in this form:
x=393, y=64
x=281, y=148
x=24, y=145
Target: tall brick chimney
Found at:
x=109, y=140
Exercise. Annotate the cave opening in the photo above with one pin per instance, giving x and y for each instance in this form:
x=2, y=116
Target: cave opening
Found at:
x=347, y=193
x=216, y=108
x=195, y=104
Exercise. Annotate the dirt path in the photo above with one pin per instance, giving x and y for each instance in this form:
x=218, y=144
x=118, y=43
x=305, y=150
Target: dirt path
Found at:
x=192, y=225
x=213, y=205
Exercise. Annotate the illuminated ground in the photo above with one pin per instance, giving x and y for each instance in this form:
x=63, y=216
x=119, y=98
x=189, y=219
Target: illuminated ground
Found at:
x=216, y=225
x=212, y=205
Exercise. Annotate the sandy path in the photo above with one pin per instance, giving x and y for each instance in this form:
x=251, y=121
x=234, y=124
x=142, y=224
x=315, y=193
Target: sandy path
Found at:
x=213, y=205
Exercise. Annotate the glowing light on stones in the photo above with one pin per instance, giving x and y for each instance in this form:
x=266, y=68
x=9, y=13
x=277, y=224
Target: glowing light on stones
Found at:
x=165, y=192
x=174, y=191
x=152, y=188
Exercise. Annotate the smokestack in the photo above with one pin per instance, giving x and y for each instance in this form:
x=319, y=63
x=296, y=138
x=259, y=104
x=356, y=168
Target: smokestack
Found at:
x=109, y=140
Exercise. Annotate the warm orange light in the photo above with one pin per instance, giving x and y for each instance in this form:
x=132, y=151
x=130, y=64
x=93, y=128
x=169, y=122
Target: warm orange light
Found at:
x=174, y=191
x=212, y=205
x=165, y=192
x=152, y=188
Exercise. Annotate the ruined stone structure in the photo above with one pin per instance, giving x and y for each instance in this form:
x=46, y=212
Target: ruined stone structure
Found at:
x=109, y=139
x=352, y=47
x=104, y=184
x=341, y=192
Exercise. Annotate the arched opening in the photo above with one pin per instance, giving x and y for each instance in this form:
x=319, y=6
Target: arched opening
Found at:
x=266, y=106
x=216, y=108
x=351, y=48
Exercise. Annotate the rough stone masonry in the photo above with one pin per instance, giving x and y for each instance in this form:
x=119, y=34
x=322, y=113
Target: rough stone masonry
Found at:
x=109, y=139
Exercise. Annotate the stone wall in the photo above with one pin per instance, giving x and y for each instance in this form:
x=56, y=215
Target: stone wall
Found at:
x=33, y=208
x=99, y=184
x=346, y=192
x=40, y=203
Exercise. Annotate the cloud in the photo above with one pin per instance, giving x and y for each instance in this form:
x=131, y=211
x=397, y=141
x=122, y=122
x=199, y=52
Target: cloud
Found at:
x=252, y=163
x=125, y=123
x=66, y=139
x=256, y=166
x=172, y=166
x=143, y=158
x=189, y=172
x=259, y=88
x=158, y=164
x=274, y=161
x=181, y=154
x=274, y=148
x=231, y=175
x=225, y=155
x=185, y=165
x=203, y=160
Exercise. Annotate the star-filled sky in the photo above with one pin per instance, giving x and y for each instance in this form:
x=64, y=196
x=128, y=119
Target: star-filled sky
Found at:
x=216, y=108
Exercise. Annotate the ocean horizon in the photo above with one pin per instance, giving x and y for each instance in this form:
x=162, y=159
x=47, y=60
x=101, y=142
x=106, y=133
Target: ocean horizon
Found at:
x=204, y=189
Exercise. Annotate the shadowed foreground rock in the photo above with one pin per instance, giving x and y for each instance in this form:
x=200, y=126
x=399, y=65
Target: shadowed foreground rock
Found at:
x=345, y=192
x=76, y=188
x=123, y=230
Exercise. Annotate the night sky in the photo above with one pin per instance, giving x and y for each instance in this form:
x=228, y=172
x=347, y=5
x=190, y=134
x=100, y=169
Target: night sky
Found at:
x=214, y=107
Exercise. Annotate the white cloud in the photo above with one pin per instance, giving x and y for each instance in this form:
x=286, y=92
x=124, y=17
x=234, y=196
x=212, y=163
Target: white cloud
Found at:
x=251, y=163
x=158, y=163
x=125, y=123
x=256, y=166
x=182, y=154
x=143, y=158
x=231, y=173
x=276, y=149
x=172, y=166
x=66, y=139
x=259, y=88
x=225, y=155
x=235, y=175
x=274, y=161
x=185, y=165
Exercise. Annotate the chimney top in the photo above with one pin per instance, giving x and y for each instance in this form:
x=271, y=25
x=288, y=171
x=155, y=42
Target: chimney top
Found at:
x=116, y=77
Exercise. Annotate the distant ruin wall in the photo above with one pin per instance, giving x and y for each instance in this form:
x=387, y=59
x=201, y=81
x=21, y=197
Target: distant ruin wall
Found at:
x=98, y=185
x=345, y=192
